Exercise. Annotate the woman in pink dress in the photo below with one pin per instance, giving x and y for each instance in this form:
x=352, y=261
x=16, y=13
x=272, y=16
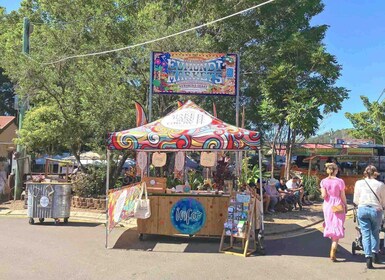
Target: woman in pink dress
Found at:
x=333, y=193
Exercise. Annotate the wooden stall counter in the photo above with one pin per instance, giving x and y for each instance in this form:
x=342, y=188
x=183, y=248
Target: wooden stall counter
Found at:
x=187, y=213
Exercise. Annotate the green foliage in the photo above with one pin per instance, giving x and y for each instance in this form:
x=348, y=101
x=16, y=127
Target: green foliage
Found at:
x=286, y=73
x=6, y=96
x=311, y=185
x=195, y=179
x=92, y=183
x=172, y=182
x=369, y=124
x=251, y=173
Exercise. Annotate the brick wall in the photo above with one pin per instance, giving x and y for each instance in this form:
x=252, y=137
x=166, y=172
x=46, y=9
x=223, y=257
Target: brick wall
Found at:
x=89, y=203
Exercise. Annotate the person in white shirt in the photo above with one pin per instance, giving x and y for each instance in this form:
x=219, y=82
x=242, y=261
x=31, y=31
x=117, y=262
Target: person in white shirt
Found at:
x=369, y=196
x=294, y=186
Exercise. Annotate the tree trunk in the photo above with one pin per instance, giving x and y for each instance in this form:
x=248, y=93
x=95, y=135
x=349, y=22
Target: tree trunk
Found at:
x=115, y=173
x=288, y=156
x=273, y=150
x=289, y=150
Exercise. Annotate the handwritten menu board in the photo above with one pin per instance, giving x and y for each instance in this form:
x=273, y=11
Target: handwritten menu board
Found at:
x=238, y=215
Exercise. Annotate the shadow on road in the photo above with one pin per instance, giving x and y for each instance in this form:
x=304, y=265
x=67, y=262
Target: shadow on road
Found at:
x=69, y=224
x=312, y=244
x=129, y=240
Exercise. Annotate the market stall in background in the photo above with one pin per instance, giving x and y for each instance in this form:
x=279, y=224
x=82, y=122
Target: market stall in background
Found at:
x=352, y=159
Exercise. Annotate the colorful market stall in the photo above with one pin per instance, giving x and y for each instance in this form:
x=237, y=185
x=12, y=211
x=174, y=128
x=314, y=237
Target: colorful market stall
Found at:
x=188, y=128
x=351, y=159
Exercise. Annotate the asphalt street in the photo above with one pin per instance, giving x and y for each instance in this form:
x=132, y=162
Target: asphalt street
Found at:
x=76, y=251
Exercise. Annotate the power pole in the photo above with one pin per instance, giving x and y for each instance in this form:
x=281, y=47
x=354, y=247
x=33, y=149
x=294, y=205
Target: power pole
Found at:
x=19, y=173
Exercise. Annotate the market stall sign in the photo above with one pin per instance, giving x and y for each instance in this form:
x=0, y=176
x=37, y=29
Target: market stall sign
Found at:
x=208, y=159
x=302, y=152
x=360, y=151
x=188, y=216
x=194, y=73
x=159, y=159
x=189, y=118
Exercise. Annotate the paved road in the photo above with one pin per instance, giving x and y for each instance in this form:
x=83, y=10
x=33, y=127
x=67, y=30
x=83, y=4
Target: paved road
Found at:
x=76, y=251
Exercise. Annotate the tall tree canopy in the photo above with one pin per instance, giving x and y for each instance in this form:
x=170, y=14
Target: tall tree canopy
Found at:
x=287, y=76
x=369, y=124
x=7, y=96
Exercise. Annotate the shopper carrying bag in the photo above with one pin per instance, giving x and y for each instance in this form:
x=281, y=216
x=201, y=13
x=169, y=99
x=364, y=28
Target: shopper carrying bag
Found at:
x=142, y=208
x=334, y=207
x=369, y=195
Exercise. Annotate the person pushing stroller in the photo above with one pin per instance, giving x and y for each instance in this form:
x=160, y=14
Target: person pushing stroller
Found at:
x=369, y=196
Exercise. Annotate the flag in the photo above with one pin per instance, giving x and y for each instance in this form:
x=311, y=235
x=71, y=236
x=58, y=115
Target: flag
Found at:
x=180, y=103
x=214, y=110
x=141, y=118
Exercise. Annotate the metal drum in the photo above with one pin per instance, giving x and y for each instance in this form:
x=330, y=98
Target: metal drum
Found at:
x=48, y=200
x=61, y=201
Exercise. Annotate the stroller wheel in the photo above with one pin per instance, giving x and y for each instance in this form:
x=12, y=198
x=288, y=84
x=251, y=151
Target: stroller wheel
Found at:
x=354, y=246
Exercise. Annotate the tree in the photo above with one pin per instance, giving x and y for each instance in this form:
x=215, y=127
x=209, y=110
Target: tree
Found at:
x=299, y=80
x=371, y=123
x=6, y=96
x=283, y=62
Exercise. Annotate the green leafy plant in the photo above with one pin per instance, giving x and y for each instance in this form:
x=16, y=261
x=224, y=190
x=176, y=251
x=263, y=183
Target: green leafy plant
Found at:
x=310, y=184
x=92, y=183
x=251, y=173
x=195, y=179
x=172, y=182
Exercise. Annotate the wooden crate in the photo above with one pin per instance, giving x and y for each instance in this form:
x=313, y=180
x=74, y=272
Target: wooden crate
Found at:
x=155, y=184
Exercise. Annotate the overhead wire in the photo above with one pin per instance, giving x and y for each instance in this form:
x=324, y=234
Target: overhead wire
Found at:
x=382, y=93
x=157, y=39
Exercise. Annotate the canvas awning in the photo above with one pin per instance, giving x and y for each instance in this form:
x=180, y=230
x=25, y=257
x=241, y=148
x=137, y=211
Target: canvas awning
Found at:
x=190, y=128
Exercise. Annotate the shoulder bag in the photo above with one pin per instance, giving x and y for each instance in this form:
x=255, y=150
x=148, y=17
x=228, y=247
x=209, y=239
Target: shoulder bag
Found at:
x=142, y=208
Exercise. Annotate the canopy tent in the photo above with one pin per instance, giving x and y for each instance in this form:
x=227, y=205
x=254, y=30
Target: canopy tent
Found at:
x=189, y=128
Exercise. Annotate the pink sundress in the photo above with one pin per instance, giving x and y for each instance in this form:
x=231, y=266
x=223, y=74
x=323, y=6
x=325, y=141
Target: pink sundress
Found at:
x=334, y=222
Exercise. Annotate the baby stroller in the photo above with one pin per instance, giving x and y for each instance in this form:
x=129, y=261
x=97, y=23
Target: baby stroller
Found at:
x=357, y=243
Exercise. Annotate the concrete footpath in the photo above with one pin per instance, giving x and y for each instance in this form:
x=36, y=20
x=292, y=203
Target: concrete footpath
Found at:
x=275, y=223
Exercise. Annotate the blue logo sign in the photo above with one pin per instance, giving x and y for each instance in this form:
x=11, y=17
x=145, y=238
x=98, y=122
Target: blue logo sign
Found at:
x=188, y=216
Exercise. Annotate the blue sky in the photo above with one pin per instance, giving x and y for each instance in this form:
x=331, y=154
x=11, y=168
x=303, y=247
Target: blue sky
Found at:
x=356, y=36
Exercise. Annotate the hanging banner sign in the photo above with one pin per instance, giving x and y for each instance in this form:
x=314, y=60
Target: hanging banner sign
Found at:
x=159, y=159
x=142, y=160
x=179, y=165
x=194, y=73
x=121, y=204
x=208, y=159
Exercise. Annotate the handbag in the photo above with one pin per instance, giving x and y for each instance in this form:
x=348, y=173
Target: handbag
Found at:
x=338, y=209
x=142, y=208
